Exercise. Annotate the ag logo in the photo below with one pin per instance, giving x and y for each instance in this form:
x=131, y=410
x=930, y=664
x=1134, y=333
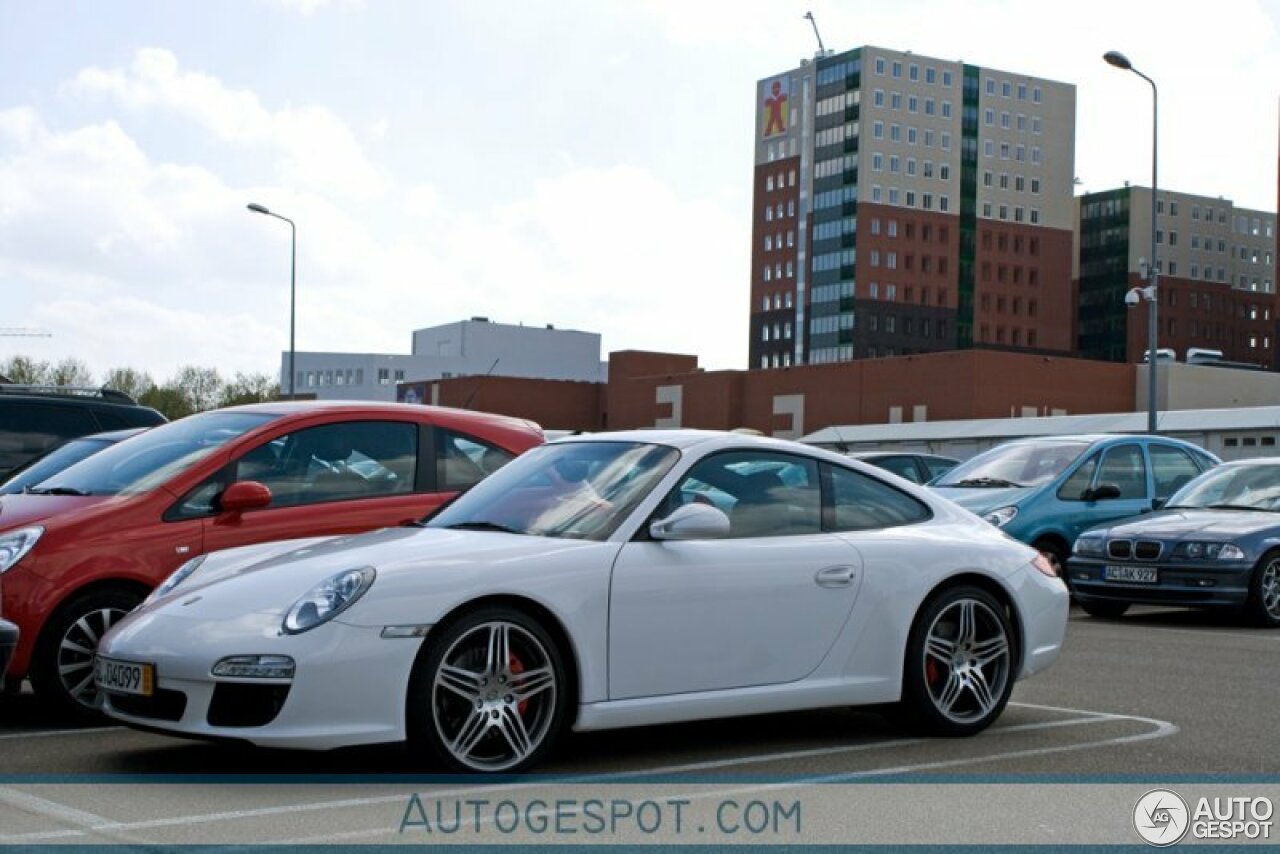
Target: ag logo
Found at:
x=1161, y=817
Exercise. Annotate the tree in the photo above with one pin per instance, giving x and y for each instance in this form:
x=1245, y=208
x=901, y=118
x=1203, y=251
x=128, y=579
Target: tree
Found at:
x=71, y=371
x=168, y=400
x=250, y=388
x=201, y=386
x=131, y=381
x=26, y=371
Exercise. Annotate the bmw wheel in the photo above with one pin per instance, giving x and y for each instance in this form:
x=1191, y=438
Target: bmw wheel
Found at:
x=960, y=659
x=1264, y=591
x=490, y=694
x=62, y=670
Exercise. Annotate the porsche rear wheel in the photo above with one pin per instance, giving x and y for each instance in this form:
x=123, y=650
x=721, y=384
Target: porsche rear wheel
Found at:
x=959, y=666
x=490, y=694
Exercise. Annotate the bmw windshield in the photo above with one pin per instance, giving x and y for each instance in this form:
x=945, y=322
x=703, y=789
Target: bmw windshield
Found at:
x=152, y=458
x=1022, y=464
x=1232, y=487
x=575, y=490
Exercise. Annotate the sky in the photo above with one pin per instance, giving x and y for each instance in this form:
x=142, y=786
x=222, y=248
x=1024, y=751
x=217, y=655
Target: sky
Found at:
x=585, y=163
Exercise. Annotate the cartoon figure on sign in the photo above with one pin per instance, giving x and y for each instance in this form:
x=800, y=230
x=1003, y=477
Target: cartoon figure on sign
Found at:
x=775, y=108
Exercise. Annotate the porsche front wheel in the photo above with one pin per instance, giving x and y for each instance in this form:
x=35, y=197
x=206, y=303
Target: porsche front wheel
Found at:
x=490, y=693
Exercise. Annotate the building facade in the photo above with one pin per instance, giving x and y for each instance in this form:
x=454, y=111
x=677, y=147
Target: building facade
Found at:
x=1217, y=276
x=905, y=204
x=474, y=347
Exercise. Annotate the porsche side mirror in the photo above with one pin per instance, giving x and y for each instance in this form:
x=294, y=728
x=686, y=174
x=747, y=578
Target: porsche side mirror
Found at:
x=244, y=495
x=1159, y=503
x=692, y=522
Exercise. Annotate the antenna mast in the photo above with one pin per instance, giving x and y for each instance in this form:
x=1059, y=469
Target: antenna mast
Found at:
x=822, y=51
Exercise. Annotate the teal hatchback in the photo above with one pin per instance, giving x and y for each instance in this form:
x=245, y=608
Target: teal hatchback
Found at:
x=1045, y=491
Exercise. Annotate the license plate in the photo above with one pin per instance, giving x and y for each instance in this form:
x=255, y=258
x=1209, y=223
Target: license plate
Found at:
x=124, y=677
x=1132, y=574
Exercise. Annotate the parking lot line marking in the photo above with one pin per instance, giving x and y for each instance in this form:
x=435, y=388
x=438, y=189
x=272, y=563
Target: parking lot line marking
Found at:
x=1163, y=728
x=30, y=803
x=45, y=733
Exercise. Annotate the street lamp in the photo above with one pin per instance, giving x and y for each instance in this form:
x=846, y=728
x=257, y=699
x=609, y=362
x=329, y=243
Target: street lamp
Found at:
x=293, y=291
x=1119, y=60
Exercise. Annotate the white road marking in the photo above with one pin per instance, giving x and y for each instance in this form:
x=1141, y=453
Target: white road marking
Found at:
x=45, y=733
x=1162, y=729
x=30, y=803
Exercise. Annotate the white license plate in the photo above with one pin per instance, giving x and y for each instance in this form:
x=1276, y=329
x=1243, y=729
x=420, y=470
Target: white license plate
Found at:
x=1132, y=574
x=124, y=677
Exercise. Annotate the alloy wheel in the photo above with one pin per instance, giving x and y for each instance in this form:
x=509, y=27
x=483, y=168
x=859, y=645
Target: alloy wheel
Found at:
x=76, y=650
x=1269, y=590
x=967, y=658
x=493, y=696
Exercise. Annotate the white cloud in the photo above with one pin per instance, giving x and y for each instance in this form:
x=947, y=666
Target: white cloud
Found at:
x=316, y=149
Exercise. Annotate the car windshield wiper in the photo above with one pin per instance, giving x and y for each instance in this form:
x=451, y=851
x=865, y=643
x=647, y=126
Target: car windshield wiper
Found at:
x=54, y=490
x=482, y=526
x=983, y=481
x=1232, y=507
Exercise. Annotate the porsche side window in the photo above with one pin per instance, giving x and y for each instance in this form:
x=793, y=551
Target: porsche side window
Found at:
x=861, y=503
x=764, y=495
x=901, y=466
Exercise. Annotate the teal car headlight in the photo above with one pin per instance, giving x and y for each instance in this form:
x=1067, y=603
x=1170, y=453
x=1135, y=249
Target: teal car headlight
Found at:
x=1001, y=516
x=15, y=545
x=179, y=575
x=1197, y=550
x=1090, y=546
x=328, y=599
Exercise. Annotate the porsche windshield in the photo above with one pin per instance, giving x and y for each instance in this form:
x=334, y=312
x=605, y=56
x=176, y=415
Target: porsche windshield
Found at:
x=144, y=462
x=1016, y=464
x=577, y=490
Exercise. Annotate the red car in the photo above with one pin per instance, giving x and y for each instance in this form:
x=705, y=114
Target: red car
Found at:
x=86, y=546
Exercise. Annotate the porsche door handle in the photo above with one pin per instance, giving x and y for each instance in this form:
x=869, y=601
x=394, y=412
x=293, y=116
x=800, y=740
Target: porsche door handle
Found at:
x=835, y=576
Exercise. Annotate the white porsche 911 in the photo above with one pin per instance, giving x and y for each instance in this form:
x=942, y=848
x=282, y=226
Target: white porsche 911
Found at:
x=598, y=582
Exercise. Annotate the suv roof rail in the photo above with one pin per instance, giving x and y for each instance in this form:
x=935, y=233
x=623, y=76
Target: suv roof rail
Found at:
x=79, y=391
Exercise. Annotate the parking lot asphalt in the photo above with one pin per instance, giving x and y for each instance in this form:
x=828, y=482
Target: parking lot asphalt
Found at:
x=1159, y=693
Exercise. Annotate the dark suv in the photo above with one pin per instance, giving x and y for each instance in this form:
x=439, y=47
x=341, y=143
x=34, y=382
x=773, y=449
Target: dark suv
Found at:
x=34, y=419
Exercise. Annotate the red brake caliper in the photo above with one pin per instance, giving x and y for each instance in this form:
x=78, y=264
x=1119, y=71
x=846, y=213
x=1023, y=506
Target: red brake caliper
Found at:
x=515, y=665
x=931, y=671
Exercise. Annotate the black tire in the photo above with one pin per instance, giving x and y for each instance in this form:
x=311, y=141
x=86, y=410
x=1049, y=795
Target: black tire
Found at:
x=477, y=707
x=67, y=642
x=977, y=691
x=1103, y=609
x=1263, y=604
x=1057, y=556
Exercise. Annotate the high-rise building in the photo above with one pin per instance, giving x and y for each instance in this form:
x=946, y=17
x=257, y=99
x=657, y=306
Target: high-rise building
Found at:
x=908, y=204
x=1217, y=276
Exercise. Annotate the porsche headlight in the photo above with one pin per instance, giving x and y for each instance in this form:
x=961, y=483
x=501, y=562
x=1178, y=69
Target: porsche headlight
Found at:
x=1001, y=517
x=1090, y=546
x=15, y=545
x=179, y=575
x=328, y=599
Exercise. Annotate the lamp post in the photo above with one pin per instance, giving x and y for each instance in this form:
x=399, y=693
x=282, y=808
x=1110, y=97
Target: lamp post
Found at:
x=293, y=291
x=1119, y=60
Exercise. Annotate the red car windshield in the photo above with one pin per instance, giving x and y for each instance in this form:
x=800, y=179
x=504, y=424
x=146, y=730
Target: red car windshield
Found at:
x=148, y=460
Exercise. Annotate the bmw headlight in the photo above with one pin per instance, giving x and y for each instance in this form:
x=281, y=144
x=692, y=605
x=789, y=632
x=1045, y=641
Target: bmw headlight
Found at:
x=15, y=545
x=1210, y=551
x=328, y=599
x=1090, y=546
x=179, y=575
x=1001, y=517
